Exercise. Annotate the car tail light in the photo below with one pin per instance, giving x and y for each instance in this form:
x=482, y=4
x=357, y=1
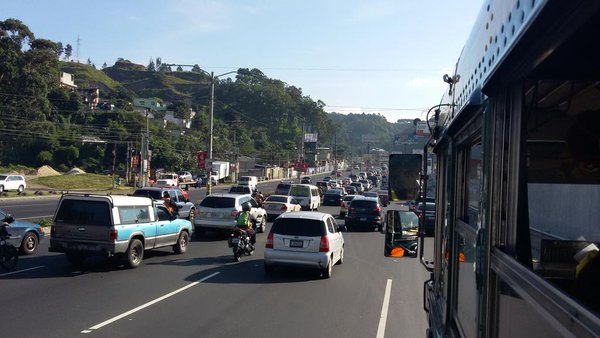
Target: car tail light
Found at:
x=283, y=207
x=419, y=214
x=343, y=204
x=378, y=209
x=324, y=245
x=269, y=244
x=114, y=234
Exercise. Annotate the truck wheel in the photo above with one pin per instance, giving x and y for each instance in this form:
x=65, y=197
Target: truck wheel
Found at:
x=134, y=254
x=182, y=243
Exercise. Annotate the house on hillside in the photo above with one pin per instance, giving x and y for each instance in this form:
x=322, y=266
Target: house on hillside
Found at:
x=142, y=105
x=181, y=122
x=90, y=97
x=67, y=80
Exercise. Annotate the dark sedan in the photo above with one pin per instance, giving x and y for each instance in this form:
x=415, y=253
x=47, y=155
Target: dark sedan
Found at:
x=429, y=214
x=365, y=213
x=333, y=197
x=24, y=235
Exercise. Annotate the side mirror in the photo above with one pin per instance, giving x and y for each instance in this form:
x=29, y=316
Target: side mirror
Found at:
x=9, y=218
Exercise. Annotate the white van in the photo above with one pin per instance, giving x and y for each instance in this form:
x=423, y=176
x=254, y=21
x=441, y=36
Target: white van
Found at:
x=307, y=195
x=250, y=181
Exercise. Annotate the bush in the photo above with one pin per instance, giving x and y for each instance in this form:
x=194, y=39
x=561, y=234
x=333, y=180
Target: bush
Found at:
x=44, y=157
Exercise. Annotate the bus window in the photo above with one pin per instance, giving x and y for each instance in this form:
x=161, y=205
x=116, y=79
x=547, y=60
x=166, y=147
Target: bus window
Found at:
x=563, y=186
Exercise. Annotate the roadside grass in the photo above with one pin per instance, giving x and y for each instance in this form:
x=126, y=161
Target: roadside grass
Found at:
x=79, y=182
x=12, y=168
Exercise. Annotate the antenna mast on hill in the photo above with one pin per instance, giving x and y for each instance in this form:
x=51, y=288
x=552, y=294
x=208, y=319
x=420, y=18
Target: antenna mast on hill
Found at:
x=78, y=45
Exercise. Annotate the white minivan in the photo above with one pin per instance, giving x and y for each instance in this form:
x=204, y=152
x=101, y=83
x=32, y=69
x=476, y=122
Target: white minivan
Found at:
x=250, y=181
x=307, y=195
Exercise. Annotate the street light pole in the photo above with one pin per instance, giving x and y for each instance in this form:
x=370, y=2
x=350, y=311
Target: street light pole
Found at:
x=210, y=141
x=213, y=78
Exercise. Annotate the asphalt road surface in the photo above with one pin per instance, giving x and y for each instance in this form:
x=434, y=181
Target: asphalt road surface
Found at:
x=203, y=293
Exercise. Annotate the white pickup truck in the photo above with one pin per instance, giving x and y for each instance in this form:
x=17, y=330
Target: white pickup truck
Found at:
x=167, y=180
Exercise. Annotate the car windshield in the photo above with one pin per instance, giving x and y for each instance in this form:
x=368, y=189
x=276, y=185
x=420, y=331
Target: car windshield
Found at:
x=155, y=194
x=277, y=199
x=218, y=202
x=2, y=177
x=298, y=227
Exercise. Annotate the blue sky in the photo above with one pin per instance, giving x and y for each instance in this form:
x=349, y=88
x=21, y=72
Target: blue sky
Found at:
x=356, y=56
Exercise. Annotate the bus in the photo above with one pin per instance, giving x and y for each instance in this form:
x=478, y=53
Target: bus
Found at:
x=516, y=140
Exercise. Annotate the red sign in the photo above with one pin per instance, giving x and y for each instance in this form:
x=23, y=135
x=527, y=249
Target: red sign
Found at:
x=202, y=156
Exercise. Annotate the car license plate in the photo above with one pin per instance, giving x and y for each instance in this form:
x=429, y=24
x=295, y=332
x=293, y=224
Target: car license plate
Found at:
x=235, y=240
x=296, y=244
x=363, y=219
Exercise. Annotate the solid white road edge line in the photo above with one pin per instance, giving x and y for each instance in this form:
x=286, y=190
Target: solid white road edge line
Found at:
x=114, y=319
x=37, y=217
x=384, y=309
x=19, y=271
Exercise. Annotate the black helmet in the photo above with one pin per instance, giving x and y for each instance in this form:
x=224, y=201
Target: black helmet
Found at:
x=246, y=206
x=166, y=194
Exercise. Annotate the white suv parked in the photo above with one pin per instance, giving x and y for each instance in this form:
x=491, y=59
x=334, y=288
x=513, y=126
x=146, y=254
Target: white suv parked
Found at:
x=12, y=182
x=305, y=239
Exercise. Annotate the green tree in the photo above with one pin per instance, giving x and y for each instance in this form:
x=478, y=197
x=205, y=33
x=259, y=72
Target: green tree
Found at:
x=68, y=51
x=61, y=49
x=151, y=67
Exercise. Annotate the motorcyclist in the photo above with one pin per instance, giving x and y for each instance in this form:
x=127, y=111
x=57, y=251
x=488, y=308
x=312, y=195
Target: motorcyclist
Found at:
x=170, y=204
x=244, y=222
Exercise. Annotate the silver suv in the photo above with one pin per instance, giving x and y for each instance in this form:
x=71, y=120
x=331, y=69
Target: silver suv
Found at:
x=219, y=211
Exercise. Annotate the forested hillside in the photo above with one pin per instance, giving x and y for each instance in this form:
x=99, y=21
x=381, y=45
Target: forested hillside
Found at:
x=255, y=115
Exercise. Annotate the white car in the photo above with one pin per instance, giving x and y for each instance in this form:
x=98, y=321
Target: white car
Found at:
x=276, y=205
x=305, y=239
x=12, y=182
x=219, y=212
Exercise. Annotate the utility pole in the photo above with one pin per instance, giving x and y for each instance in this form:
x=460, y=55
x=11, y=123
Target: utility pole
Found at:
x=142, y=157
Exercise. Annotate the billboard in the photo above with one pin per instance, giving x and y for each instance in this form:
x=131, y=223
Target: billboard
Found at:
x=422, y=129
x=201, y=156
x=370, y=138
x=310, y=137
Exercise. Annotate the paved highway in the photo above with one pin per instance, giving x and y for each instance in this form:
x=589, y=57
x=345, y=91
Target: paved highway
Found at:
x=203, y=293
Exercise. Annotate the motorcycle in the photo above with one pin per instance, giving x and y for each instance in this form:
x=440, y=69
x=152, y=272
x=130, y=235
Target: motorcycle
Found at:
x=9, y=255
x=240, y=243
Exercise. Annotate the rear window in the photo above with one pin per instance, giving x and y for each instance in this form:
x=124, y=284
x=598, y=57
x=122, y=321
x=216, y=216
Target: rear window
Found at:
x=348, y=198
x=300, y=190
x=333, y=192
x=298, y=227
x=364, y=204
x=155, y=194
x=277, y=199
x=84, y=212
x=428, y=207
x=218, y=202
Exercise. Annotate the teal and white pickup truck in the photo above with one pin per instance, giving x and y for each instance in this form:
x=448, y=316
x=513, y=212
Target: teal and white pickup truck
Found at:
x=123, y=226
